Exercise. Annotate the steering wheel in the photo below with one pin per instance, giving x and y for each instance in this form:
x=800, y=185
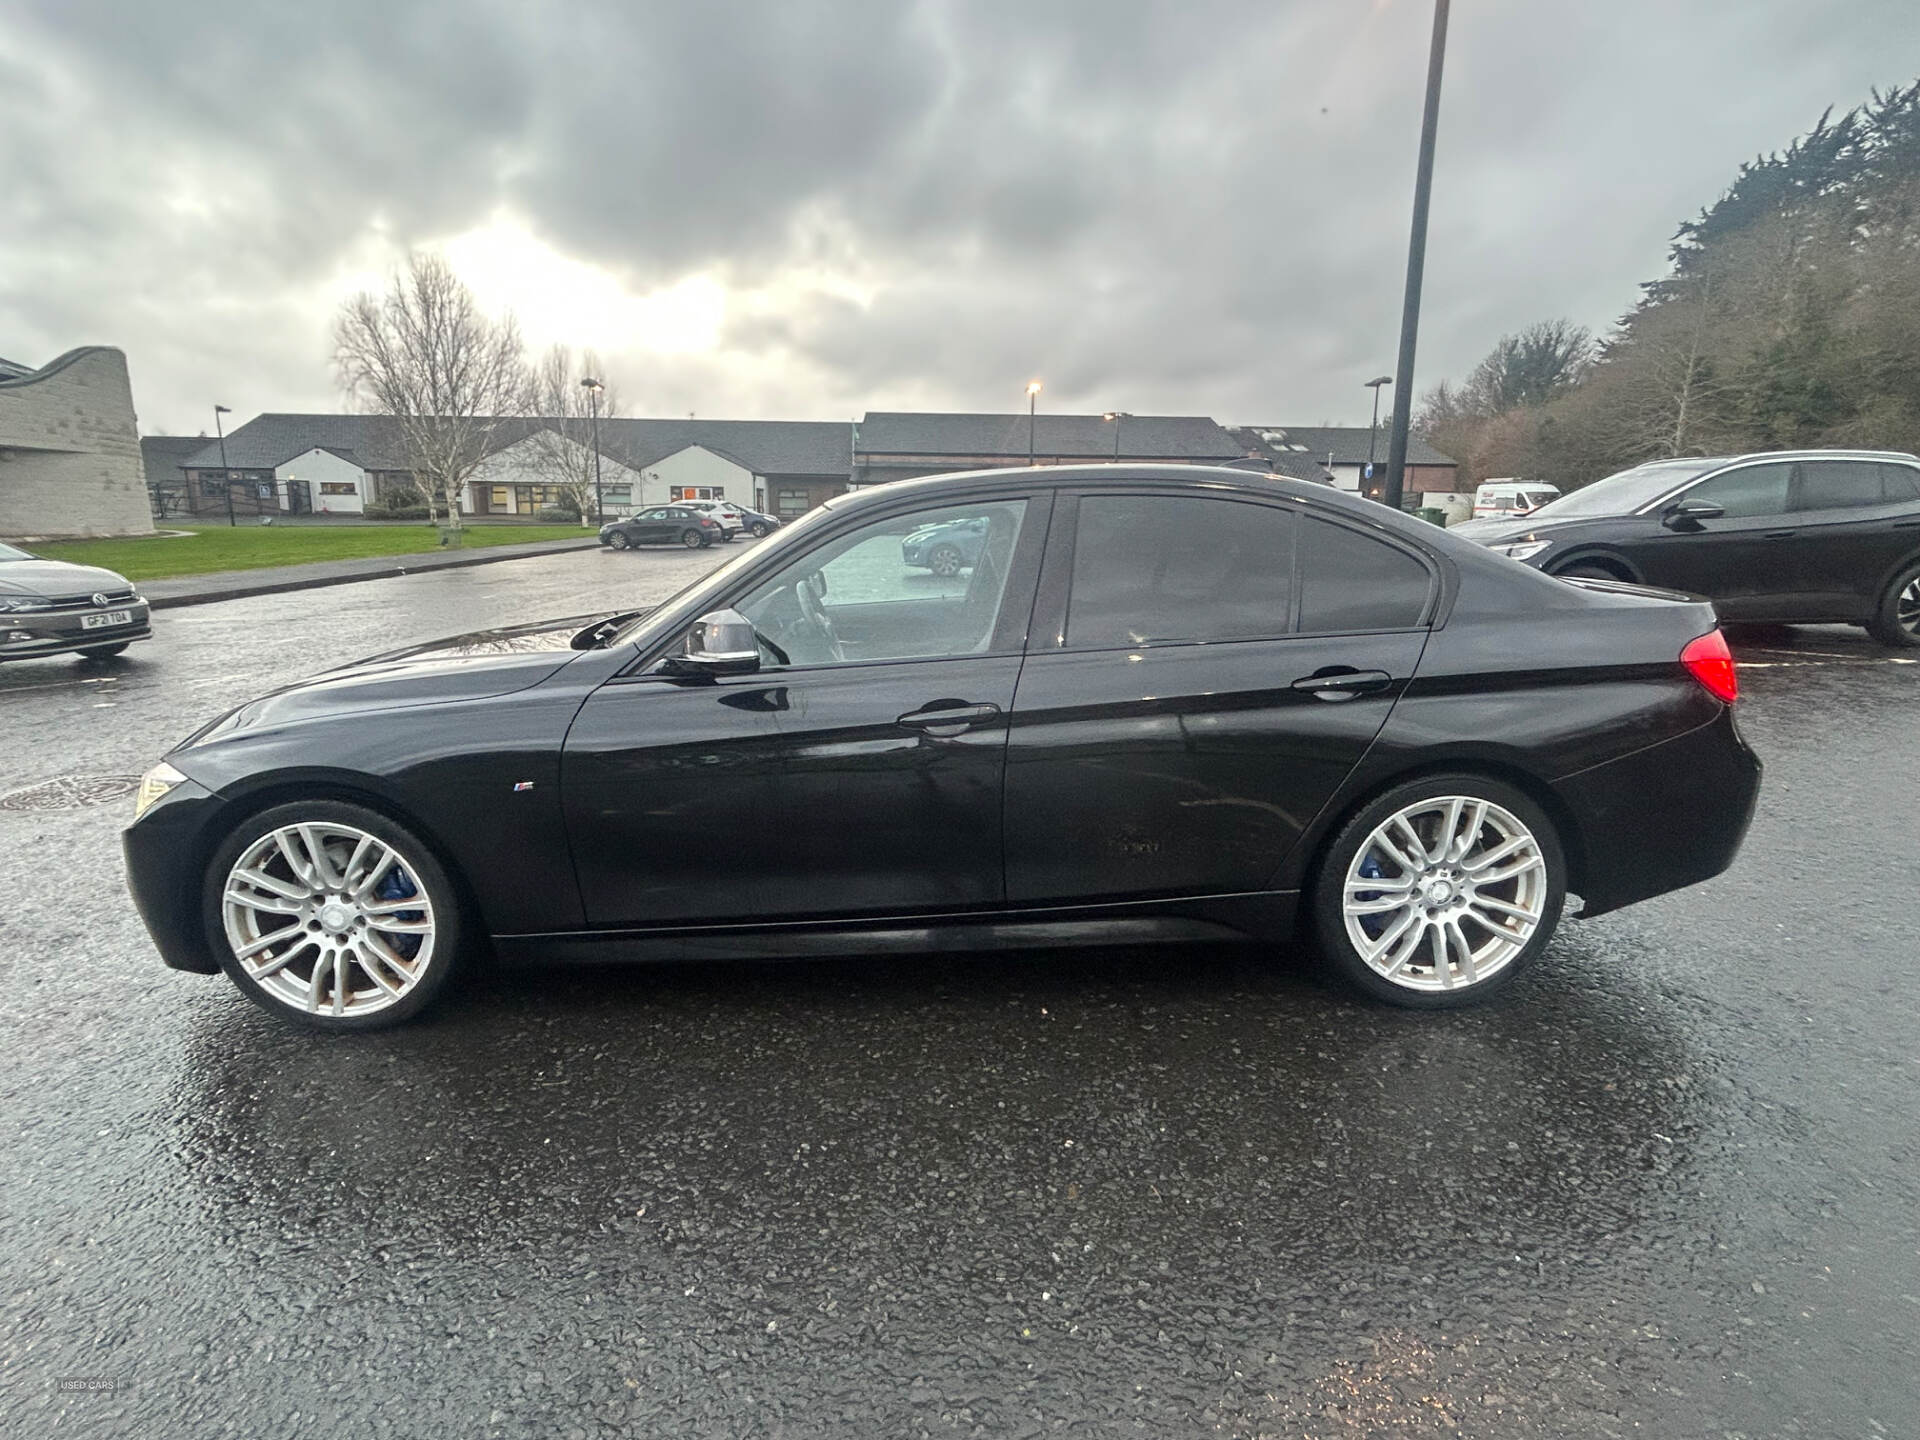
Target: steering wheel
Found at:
x=810, y=606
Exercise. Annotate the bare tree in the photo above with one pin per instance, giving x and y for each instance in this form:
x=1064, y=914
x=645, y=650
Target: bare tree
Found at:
x=561, y=451
x=447, y=374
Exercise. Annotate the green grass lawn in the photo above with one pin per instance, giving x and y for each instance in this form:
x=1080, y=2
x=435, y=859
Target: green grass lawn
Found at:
x=259, y=547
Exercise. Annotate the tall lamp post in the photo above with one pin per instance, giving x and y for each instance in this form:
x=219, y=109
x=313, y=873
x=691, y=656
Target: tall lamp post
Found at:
x=1416, y=263
x=1373, y=432
x=226, y=475
x=593, y=388
x=1033, y=398
x=1116, y=416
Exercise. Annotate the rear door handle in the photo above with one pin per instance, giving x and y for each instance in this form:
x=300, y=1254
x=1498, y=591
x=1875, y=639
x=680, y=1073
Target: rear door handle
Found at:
x=1781, y=534
x=1343, y=684
x=950, y=720
x=1913, y=524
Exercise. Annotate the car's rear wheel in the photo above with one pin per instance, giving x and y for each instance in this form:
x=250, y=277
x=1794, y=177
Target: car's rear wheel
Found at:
x=945, y=560
x=1441, y=892
x=618, y=540
x=332, y=916
x=1896, y=620
x=692, y=539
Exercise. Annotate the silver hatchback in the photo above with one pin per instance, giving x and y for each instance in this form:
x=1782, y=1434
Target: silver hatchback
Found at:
x=48, y=607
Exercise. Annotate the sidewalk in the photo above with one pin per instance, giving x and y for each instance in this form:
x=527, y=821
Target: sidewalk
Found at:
x=238, y=584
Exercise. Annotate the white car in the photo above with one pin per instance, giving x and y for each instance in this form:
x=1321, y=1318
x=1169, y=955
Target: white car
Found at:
x=732, y=522
x=1511, y=499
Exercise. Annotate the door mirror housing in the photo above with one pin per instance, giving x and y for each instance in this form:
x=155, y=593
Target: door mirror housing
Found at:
x=1687, y=514
x=720, y=642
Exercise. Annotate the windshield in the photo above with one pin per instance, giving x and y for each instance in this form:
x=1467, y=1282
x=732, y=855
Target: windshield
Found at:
x=1624, y=493
x=7, y=552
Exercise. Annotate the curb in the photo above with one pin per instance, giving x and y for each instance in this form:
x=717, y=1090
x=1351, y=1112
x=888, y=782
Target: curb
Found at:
x=269, y=583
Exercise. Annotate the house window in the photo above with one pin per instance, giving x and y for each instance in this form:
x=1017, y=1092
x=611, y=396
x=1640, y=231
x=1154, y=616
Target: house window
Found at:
x=699, y=492
x=502, y=501
x=791, y=501
x=617, y=494
x=338, y=487
x=212, y=482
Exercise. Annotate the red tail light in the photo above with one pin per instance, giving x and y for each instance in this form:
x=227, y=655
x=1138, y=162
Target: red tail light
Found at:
x=1710, y=662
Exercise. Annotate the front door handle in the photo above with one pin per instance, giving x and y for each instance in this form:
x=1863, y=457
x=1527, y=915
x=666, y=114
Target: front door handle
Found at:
x=948, y=720
x=1907, y=524
x=1343, y=684
x=1781, y=534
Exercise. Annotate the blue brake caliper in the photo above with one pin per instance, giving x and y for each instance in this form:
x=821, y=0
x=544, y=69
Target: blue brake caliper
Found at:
x=1370, y=870
x=396, y=884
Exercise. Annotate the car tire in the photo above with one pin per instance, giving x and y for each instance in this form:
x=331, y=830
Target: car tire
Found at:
x=104, y=652
x=1896, y=619
x=945, y=561
x=693, y=539
x=1468, y=828
x=396, y=957
x=761, y=530
x=618, y=540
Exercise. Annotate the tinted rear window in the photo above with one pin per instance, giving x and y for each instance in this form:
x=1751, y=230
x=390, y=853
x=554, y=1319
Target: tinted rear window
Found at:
x=1350, y=581
x=1150, y=568
x=1840, y=484
x=1902, y=481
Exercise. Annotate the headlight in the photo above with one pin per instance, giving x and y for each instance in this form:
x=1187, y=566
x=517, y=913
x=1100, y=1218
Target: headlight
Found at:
x=155, y=783
x=24, y=602
x=1525, y=549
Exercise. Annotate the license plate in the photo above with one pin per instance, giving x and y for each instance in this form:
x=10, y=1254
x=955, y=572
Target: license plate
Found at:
x=106, y=619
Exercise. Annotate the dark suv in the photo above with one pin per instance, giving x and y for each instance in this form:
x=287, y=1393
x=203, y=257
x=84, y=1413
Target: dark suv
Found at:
x=1805, y=536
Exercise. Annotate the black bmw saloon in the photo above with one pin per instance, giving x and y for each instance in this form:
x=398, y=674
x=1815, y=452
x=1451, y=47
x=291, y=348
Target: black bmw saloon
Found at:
x=1156, y=702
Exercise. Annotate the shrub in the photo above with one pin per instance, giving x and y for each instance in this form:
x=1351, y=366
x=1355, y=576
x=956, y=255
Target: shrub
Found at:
x=395, y=512
x=557, y=515
x=401, y=495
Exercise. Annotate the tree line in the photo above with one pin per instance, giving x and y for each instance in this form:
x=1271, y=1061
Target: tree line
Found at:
x=1789, y=317
x=455, y=382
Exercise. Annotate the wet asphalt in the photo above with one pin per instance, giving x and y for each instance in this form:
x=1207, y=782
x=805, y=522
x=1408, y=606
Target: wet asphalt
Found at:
x=1665, y=1187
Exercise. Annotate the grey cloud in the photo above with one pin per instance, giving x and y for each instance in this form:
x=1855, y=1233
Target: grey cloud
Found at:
x=1193, y=207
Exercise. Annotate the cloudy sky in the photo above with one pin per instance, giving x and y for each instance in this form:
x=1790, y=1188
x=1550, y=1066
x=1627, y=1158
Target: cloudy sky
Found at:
x=810, y=208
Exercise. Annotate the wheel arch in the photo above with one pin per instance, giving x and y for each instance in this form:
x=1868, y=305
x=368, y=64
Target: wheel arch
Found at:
x=1622, y=568
x=1314, y=844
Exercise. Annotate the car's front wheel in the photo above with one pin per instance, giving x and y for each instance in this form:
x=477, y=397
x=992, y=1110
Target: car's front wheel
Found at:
x=332, y=916
x=1440, y=892
x=945, y=560
x=1896, y=620
x=761, y=530
x=618, y=540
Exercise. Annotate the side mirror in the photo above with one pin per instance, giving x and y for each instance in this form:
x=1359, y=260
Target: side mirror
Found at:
x=718, y=643
x=1688, y=514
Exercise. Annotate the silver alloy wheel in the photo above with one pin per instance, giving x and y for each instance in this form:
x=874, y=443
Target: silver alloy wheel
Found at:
x=1906, y=610
x=1445, y=893
x=328, y=919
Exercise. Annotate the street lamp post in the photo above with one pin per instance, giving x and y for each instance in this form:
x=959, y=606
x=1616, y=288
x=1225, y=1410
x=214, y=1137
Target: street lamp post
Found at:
x=593, y=388
x=1116, y=416
x=226, y=475
x=1416, y=263
x=1033, y=397
x=1373, y=432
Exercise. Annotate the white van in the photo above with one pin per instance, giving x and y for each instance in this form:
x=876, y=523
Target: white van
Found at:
x=1511, y=499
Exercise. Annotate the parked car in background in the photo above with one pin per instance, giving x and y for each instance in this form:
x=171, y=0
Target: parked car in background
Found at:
x=945, y=549
x=49, y=607
x=662, y=525
x=1804, y=536
x=732, y=520
x=1512, y=497
x=759, y=524
x=1169, y=701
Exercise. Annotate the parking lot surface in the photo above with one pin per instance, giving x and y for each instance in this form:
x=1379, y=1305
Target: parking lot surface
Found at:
x=1665, y=1187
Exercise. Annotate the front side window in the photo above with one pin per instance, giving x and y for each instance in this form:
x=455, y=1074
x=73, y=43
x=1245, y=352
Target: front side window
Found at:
x=889, y=590
x=1157, y=569
x=1350, y=581
x=1840, y=484
x=1746, y=493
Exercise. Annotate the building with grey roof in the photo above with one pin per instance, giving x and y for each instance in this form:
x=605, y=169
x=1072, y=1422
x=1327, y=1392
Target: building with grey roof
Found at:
x=897, y=445
x=1344, y=451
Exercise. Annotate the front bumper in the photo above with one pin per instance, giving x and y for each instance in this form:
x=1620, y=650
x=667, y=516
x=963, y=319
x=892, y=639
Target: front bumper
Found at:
x=1665, y=817
x=164, y=850
x=25, y=634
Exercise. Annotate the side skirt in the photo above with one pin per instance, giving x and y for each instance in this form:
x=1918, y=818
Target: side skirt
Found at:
x=1266, y=915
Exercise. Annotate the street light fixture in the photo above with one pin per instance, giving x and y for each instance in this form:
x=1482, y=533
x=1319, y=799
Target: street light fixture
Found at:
x=1373, y=431
x=226, y=475
x=1033, y=396
x=1116, y=416
x=593, y=388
